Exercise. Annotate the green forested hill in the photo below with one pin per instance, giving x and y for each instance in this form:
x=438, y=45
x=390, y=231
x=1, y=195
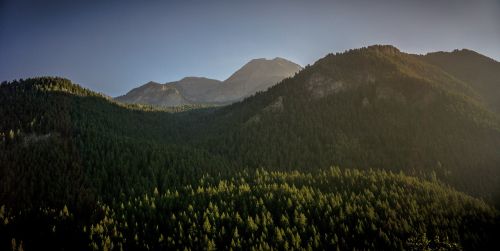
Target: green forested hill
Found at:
x=76, y=167
x=64, y=144
x=260, y=210
x=372, y=107
x=480, y=72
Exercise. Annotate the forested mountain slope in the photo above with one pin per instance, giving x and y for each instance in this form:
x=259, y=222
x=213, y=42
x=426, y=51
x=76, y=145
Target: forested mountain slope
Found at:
x=371, y=107
x=481, y=72
x=65, y=144
x=75, y=165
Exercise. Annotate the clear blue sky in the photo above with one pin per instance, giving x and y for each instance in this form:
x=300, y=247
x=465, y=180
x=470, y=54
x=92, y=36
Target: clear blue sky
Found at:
x=113, y=46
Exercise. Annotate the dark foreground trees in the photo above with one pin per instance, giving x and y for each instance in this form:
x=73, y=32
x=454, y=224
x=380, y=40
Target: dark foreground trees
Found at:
x=255, y=210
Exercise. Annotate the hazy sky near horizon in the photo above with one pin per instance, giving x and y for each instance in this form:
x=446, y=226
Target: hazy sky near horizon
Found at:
x=113, y=46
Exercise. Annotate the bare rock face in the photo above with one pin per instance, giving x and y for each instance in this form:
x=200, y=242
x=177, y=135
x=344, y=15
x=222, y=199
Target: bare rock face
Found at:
x=276, y=106
x=194, y=89
x=365, y=102
x=387, y=93
x=257, y=75
x=320, y=85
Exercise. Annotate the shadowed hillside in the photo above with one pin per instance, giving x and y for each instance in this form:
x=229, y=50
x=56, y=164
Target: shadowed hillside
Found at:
x=481, y=72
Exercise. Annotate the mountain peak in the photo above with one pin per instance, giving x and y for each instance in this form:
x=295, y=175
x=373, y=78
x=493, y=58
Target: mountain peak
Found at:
x=464, y=51
x=192, y=78
x=151, y=83
x=257, y=61
x=257, y=75
x=263, y=67
x=390, y=49
x=280, y=59
x=274, y=60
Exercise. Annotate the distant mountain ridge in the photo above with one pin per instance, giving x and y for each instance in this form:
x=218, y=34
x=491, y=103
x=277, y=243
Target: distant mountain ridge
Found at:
x=188, y=90
x=257, y=75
